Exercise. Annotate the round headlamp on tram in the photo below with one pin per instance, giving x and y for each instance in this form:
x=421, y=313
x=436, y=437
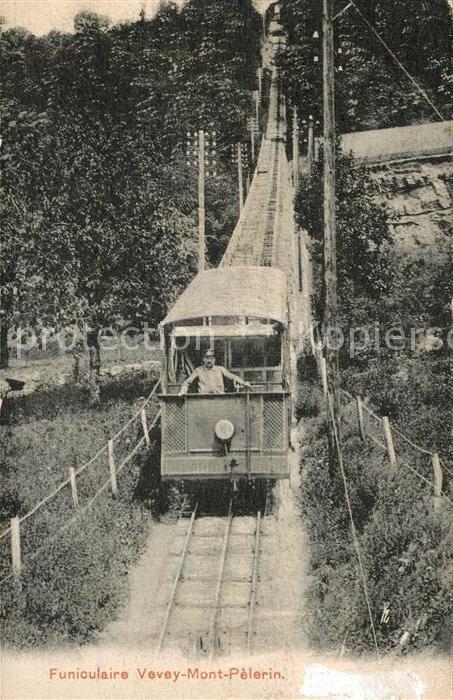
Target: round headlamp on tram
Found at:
x=224, y=429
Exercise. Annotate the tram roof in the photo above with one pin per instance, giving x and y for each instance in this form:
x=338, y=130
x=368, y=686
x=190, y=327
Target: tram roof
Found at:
x=233, y=291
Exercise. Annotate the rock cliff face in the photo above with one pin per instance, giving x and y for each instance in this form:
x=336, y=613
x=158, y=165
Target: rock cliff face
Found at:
x=418, y=195
x=413, y=172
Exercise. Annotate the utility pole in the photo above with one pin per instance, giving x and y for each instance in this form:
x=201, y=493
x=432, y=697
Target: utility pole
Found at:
x=283, y=110
x=256, y=97
x=311, y=143
x=201, y=198
x=240, y=182
x=260, y=81
x=330, y=243
x=205, y=160
x=295, y=150
x=252, y=138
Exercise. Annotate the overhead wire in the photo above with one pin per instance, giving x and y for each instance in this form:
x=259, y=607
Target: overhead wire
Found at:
x=447, y=469
x=351, y=518
x=345, y=9
x=403, y=68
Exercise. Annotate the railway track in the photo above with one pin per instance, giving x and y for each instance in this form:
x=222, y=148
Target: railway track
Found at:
x=267, y=245
x=253, y=241
x=212, y=601
x=207, y=602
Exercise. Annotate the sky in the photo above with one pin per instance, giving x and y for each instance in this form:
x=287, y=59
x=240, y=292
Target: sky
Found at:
x=40, y=16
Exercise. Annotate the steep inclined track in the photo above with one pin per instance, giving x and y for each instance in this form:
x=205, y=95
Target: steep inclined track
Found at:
x=211, y=603
x=259, y=237
x=221, y=568
x=195, y=607
x=232, y=583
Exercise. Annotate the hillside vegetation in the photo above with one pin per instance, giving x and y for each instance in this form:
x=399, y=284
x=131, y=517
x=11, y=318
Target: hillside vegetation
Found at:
x=385, y=291
x=372, y=91
x=99, y=205
x=395, y=316
x=100, y=221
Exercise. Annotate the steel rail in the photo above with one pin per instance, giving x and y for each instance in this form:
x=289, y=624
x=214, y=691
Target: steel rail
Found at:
x=176, y=584
x=215, y=616
x=253, y=587
x=267, y=242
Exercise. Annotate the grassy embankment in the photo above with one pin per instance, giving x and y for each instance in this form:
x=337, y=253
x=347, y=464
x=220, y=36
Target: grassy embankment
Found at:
x=74, y=582
x=406, y=547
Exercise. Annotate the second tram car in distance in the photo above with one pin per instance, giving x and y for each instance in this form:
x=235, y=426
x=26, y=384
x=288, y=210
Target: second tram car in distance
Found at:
x=241, y=314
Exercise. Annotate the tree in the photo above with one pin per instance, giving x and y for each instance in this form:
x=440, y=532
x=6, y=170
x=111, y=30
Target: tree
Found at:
x=87, y=21
x=372, y=91
x=99, y=204
x=362, y=231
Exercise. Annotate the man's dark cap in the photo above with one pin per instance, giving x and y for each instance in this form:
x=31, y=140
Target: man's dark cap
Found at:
x=15, y=384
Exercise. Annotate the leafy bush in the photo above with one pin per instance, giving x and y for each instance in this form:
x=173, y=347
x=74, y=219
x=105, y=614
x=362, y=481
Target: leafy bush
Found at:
x=406, y=547
x=49, y=402
x=308, y=400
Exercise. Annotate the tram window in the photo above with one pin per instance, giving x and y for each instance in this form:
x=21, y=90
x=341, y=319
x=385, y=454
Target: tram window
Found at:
x=255, y=352
x=247, y=352
x=237, y=352
x=186, y=353
x=274, y=351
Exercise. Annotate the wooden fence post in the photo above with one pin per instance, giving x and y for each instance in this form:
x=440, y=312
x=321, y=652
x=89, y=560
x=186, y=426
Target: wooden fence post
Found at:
x=112, y=468
x=318, y=349
x=312, y=337
x=389, y=440
x=324, y=375
x=145, y=426
x=72, y=477
x=15, y=546
x=438, y=479
x=358, y=400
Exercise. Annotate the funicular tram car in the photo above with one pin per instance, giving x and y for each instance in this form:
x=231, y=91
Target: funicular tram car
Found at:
x=240, y=313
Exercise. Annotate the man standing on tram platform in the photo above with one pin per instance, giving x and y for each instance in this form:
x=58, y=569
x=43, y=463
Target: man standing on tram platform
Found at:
x=211, y=377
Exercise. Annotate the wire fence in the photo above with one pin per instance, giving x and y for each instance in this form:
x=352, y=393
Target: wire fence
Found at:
x=78, y=492
x=425, y=465
x=422, y=463
x=372, y=426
